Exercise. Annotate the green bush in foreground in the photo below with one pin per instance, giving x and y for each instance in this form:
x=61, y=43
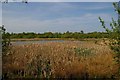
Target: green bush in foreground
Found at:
x=115, y=25
x=5, y=40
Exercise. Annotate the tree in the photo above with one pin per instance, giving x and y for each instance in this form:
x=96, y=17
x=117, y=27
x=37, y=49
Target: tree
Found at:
x=115, y=31
x=5, y=40
x=82, y=31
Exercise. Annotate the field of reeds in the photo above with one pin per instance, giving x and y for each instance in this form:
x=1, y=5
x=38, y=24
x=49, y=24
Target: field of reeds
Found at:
x=68, y=59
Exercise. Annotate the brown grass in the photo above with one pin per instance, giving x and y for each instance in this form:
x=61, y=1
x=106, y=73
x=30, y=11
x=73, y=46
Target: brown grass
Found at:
x=38, y=39
x=60, y=60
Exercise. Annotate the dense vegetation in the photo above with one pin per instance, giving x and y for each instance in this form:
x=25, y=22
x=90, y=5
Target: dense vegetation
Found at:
x=68, y=59
x=5, y=40
x=115, y=25
x=67, y=34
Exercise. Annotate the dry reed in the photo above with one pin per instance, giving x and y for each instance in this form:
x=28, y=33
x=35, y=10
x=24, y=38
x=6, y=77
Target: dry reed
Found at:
x=60, y=60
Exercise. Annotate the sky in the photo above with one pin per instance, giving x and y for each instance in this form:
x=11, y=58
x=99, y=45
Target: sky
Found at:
x=62, y=0
x=42, y=17
x=0, y=13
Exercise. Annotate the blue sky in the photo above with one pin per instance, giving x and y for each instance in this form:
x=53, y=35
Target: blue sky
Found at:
x=64, y=0
x=56, y=16
x=0, y=13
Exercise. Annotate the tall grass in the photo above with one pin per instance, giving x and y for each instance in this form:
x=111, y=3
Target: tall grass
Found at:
x=69, y=59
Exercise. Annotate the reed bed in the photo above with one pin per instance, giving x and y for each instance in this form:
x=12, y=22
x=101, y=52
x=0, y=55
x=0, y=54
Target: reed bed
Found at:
x=69, y=59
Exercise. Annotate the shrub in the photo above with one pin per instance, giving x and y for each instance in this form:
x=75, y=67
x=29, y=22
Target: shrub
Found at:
x=83, y=52
x=114, y=33
x=5, y=40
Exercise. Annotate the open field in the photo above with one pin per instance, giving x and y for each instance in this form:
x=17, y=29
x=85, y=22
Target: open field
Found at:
x=68, y=59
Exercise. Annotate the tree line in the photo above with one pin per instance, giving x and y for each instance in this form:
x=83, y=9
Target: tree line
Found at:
x=76, y=35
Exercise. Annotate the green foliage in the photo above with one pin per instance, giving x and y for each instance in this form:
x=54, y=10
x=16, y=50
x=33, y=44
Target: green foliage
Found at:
x=82, y=31
x=5, y=40
x=83, y=52
x=115, y=30
x=76, y=35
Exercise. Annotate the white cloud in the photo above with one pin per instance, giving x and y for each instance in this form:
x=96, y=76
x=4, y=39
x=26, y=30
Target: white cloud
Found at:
x=87, y=22
x=53, y=17
x=50, y=10
x=95, y=7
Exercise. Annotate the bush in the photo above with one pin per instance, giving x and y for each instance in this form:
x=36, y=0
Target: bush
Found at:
x=83, y=52
x=115, y=31
x=5, y=40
